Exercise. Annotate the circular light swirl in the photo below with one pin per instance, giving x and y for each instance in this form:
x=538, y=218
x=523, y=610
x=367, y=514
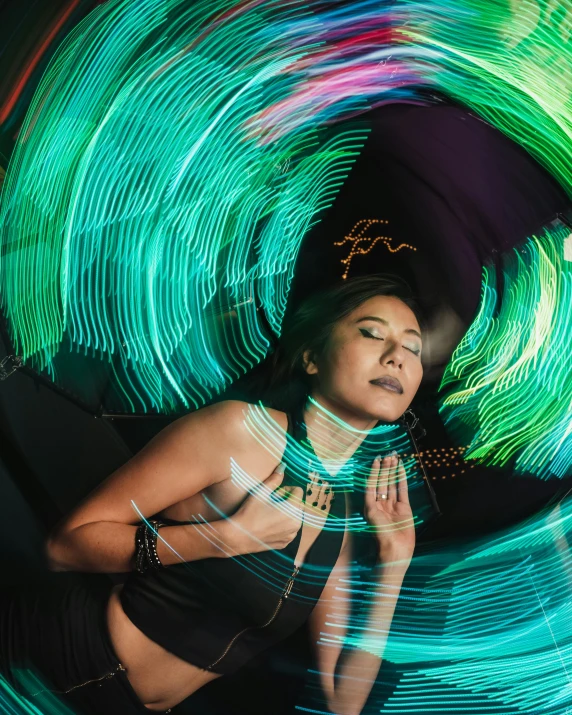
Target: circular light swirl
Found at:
x=344, y=476
x=168, y=168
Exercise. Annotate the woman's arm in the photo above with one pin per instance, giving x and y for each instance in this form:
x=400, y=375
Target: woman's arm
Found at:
x=348, y=670
x=185, y=458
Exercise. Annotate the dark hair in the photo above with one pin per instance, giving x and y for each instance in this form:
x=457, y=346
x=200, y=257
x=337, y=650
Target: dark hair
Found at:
x=308, y=327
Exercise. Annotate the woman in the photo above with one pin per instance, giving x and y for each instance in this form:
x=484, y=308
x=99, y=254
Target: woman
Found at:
x=258, y=557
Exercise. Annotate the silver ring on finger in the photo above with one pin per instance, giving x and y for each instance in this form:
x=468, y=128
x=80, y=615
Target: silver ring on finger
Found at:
x=381, y=496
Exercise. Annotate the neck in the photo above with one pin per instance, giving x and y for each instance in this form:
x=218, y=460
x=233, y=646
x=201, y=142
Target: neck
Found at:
x=334, y=433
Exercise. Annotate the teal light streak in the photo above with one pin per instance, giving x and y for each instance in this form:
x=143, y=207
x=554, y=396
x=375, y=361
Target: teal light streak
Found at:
x=481, y=627
x=142, y=204
x=43, y=701
x=509, y=61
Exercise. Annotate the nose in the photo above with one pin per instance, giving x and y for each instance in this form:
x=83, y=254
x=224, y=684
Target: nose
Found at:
x=393, y=354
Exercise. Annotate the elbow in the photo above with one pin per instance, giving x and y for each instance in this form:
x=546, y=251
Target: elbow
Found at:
x=53, y=553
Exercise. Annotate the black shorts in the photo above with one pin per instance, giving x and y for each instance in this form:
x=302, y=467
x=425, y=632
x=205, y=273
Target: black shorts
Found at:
x=56, y=653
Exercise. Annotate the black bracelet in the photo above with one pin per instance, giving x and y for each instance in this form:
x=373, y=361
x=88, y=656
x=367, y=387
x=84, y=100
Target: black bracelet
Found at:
x=146, y=555
x=152, y=532
x=140, y=565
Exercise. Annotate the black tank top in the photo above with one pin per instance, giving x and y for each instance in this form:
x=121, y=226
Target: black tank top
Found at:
x=218, y=613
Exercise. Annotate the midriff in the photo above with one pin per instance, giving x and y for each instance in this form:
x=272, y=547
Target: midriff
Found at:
x=160, y=679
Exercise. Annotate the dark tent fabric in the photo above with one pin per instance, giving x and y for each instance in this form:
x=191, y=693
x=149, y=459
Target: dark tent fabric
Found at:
x=452, y=186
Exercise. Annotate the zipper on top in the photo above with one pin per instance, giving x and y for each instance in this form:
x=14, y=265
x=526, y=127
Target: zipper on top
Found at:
x=107, y=676
x=284, y=595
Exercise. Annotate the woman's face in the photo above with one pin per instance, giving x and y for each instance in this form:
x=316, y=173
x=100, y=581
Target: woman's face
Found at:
x=371, y=367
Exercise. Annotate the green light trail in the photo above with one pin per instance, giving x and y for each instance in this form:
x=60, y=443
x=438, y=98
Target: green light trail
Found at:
x=509, y=392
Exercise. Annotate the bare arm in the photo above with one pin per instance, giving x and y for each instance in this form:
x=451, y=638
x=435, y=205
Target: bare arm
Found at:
x=185, y=458
x=348, y=671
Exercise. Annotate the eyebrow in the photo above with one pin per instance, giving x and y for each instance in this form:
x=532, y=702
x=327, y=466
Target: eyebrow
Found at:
x=384, y=322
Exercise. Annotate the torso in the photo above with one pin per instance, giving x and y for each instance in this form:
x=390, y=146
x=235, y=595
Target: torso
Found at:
x=161, y=679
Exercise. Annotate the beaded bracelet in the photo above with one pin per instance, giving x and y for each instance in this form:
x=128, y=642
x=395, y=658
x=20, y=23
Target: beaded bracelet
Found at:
x=146, y=555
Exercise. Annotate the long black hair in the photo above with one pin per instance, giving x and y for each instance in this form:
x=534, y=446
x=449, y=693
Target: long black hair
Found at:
x=281, y=381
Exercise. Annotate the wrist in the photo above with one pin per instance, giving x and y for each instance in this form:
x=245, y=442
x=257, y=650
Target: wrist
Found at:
x=230, y=539
x=395, y=556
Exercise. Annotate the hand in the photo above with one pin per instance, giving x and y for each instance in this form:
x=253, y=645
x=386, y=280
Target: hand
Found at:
x=387, y=509
x=270, y=517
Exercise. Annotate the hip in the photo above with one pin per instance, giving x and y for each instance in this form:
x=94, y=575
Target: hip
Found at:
x=160, y=679
x=55, y=646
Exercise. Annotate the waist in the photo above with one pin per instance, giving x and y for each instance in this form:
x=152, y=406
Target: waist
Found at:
x=160, y=679
x=215, y=630
x=217, y=614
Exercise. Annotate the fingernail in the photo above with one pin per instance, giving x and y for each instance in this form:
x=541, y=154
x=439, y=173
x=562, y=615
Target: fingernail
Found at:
x=393, y=454
x=281, y=468
x=378, y=457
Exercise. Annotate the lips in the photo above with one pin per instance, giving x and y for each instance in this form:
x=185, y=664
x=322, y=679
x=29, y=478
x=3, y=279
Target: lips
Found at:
x=391, y=384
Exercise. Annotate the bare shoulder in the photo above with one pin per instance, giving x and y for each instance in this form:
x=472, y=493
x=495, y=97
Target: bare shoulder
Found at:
x=191, y=454
x=253, y=435
x=230, y=418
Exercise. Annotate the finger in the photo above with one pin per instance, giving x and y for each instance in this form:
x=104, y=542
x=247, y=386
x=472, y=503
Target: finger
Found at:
x=323, y=496
x=329, y=498
x=402, y=487
x=270, y=484
x=289, y=502
x=277, y=475
x=295, y=497
x=281, y=493
x=383, y=479
x=392, y=479
x=313, y=486
x=296, y=513
x=297, y=494
x=292, y=493
x=371, y=483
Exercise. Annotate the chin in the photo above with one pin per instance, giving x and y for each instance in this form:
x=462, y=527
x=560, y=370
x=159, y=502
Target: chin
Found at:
x=388, y=409
x=385, y=417
x=388, y=413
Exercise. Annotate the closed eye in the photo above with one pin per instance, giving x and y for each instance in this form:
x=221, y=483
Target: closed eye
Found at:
x=367, y=334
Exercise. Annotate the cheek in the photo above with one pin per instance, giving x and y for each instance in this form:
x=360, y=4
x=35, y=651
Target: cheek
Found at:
x=417, y=376
x=341, y=365
x=349, y=362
